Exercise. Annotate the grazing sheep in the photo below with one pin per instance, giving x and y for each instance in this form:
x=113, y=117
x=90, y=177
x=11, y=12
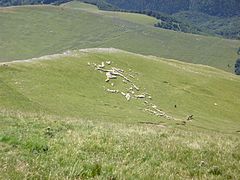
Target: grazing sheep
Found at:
x=131, y=76
x=112, y=91
x=117, y=70
x=123, y=93
x=110, y=76
x=108, y=62
x=140, y=96
x=115, y=73
x=102, y=65
x=124, y=81
x=135, y=87
x=128, y=97
x=190, y=117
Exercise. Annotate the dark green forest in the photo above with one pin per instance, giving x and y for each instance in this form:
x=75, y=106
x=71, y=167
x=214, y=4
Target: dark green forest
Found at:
x=225, y=8
x=26, y=2
x=207, y=17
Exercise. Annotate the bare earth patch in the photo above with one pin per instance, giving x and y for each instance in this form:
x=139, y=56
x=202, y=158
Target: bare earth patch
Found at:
x=7, y=10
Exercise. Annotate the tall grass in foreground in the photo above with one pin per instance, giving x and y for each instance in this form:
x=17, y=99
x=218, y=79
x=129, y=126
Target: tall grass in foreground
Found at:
x=45, y=147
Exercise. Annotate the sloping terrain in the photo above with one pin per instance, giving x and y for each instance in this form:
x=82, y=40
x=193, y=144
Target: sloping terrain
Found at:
x=59, y=119
x=105, y=113
x=69, y=86
x=221, y=18
x=34, y=31
x=218, y=25
x=132, y=17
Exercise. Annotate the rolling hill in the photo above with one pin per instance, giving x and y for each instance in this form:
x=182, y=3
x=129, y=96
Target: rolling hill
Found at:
x=189, y=87
x=58, y=118
x=221, y=18
x=34, y=31
x=151, y=106
x=220, y=13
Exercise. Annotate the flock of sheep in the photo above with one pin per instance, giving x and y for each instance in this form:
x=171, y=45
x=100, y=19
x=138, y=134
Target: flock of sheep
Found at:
x=132, y=92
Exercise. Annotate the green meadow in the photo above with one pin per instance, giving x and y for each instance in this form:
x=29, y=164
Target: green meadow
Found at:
x=34, y=31
x=58, y=120
x=171, y=113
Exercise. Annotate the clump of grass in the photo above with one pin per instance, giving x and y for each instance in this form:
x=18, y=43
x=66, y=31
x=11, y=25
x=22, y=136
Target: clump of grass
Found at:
x=36, y=145
x=215, y=170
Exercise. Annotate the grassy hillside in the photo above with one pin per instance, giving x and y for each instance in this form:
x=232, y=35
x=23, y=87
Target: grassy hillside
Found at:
x=132, y=17
x=222, y=10
x=184, y=16
x=33, y=31
x=66, y=85
x=58, y=120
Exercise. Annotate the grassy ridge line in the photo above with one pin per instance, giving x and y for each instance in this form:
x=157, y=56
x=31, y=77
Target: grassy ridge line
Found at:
x=131, y=17
x=57, y=29
x=67, y=53
x=206, y=71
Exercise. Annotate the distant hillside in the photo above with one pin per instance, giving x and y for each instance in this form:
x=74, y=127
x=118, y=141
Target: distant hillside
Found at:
x=25, y=2
x=224, y=8
x=33, y=31
x=221, y=15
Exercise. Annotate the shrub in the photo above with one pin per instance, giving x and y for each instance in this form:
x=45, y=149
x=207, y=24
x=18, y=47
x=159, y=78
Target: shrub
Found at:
x=237, y=67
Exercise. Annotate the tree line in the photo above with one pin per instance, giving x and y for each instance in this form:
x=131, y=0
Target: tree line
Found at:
x=237, y=64
x=31, y=2
x=226, y=8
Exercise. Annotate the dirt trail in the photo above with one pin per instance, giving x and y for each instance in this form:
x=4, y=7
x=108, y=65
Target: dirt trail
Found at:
x=67, y=53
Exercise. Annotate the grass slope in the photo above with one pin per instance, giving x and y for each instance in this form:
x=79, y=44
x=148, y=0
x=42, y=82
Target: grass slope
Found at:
x=57, y=120
x=66, y=85
x=33, y=31
x=132, y=17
